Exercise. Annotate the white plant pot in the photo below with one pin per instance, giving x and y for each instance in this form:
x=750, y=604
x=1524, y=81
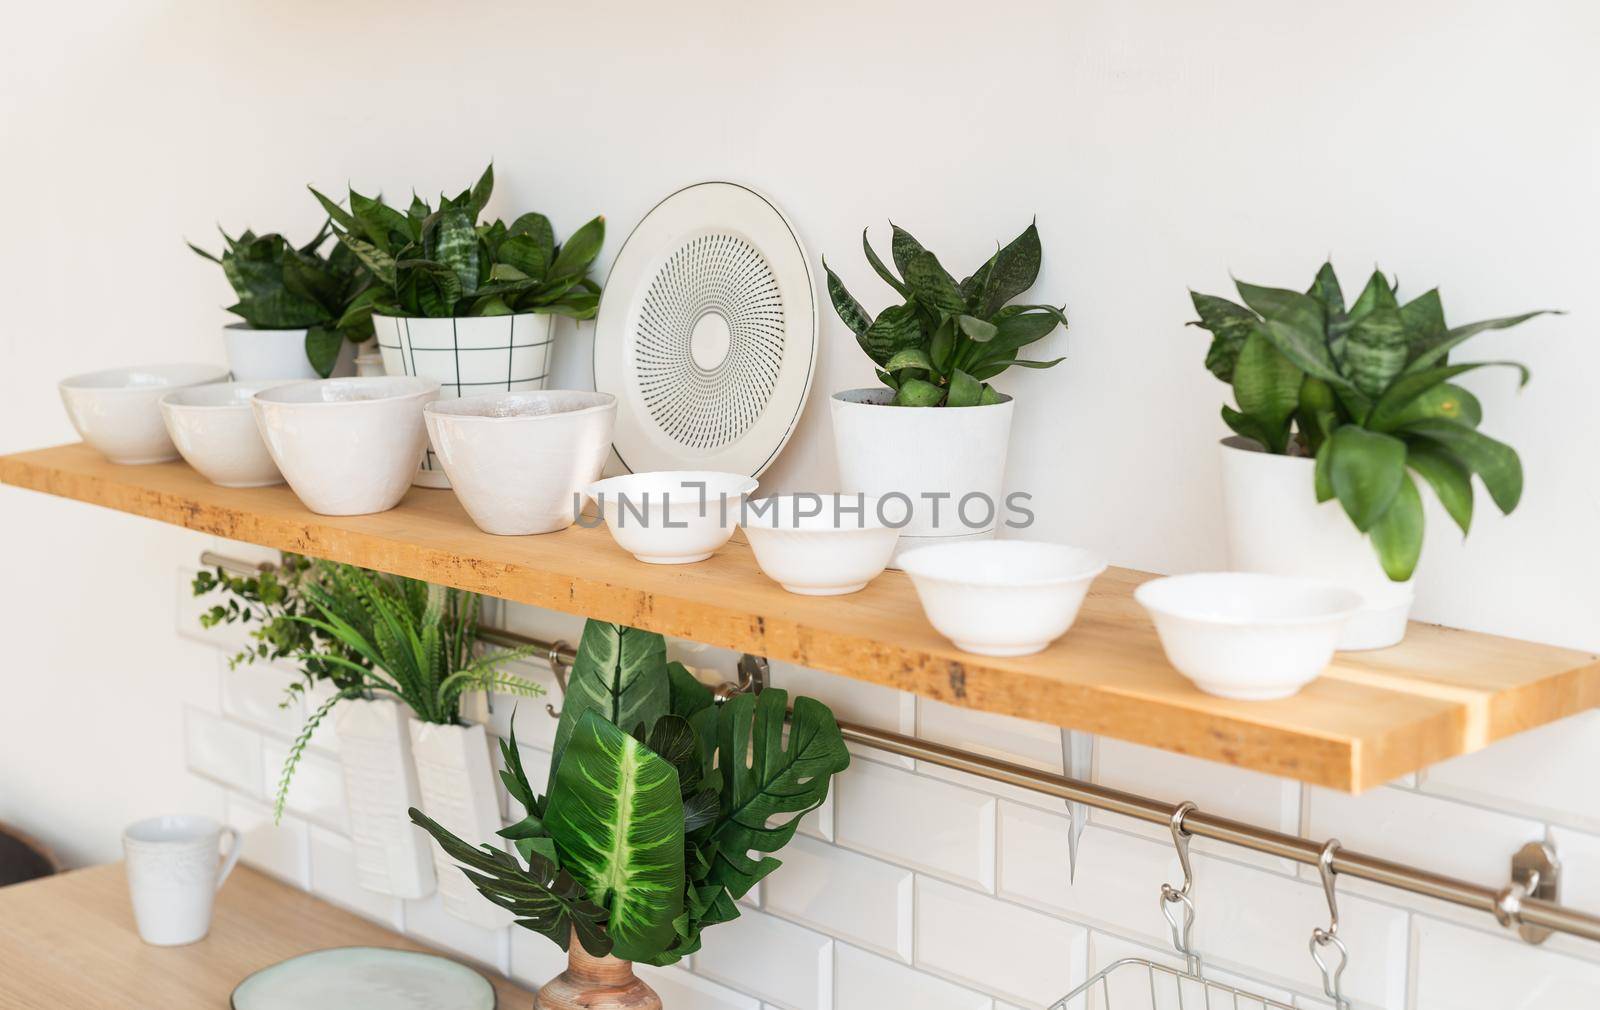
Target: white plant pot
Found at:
x=1277, y=527
x=476, y=354
x=380, y=784
x=908, y=455
x=455, y=770
x=260, y=355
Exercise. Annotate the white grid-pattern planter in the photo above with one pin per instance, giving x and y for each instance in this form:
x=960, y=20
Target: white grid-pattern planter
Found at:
x=380, y=785
x=456, y=773
x=474, y=354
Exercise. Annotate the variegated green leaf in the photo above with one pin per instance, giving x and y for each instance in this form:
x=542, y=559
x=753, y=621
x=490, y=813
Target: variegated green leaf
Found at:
x=1016, y=267
x=620, y=673
x=845, y=304
x=1229, y=325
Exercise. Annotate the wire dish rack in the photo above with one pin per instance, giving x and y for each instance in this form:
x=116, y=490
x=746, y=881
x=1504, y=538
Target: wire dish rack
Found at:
x=1134, y=983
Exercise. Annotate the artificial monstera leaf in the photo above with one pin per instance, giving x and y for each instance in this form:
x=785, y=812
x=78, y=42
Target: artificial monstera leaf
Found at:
x=616, y=814
x=769, y=781
x=621, y=673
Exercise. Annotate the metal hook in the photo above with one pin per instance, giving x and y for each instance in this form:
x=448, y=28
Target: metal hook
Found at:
x=1176, y=905
x=1321, y=939
x=559, y=668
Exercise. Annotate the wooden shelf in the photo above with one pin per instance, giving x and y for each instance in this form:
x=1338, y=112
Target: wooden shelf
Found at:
x=1372, y=717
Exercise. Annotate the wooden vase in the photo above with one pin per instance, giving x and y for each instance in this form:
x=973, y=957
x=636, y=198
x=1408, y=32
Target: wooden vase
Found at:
x=595, y=983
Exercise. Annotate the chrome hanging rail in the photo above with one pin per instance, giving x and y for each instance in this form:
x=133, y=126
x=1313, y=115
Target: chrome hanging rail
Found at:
x=1513, y=905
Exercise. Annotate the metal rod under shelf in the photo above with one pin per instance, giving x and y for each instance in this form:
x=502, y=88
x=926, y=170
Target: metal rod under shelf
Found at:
x=1506, y=903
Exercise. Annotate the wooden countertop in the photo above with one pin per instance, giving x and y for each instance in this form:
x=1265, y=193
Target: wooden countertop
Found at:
x=1371, y=717
x=68, y=942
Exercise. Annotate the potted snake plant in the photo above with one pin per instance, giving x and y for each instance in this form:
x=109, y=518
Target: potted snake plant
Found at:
x=935, y=434
x=661, y=811
x=468, y=302
x=1339, y=412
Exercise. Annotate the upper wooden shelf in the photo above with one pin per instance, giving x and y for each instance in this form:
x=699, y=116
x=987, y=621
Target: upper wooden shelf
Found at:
x=1372, y=717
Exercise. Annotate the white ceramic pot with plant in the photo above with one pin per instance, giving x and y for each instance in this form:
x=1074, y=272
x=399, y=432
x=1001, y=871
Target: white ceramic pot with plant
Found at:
x=380, y=784
x=1340, y=412
x=468, y=304
x=301, y=312
x=455, y=770
x=932, y=441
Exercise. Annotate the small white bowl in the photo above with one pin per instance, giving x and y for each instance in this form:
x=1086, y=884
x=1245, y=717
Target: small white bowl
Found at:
x=347, y=447
x=215, y=431
x=1001, y=597
x=819, y=544
x=1248, y=636
x=672, y=517
x=118, y=412
x=519, y=462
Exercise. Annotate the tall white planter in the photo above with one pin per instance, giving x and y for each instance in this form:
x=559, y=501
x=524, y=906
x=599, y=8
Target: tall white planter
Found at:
x=380, y=784
x=475, y=354
x=257, y=355
x=1276, y=526
x=456, y=772
x=949, y=463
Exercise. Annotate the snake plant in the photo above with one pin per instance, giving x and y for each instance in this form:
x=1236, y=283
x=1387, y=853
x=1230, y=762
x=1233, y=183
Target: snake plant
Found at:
x=948, y=338
x=662, y=808
x=281, y=287
x=1366, y=390
x=446, y=262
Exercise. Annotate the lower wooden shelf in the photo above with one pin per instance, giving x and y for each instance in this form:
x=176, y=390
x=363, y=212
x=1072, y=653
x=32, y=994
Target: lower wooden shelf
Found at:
x=1371, y=718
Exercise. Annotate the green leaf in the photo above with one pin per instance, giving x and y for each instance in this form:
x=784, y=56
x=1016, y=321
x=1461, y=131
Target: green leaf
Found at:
x=1019, y=329
x=991, y=395
x=481, y=191
x=380, y=263
x=322, y=349
x=337, y=214
x=1437, y=351
x=378, y=220
x=1445, y=401
x=917, y=393
x=1016, y=267
x=1322, y=478
x=1318, y=412
x=616, y=815
x=942, y=348
x=1246, y=426
x=1294, y=323
x=989, y=369
x=902, y=247
x=1366, y=470
x=882, y=271
x=448, y=237
x=1229, y=324
x=1450, y=479
x=619, y=672
x=1325, y=289
x=979, y=330
x=1375, y=346
x=537, y=228
x=911, y=357
x=770, y=779
x=965, y=391
x=579, y=251
x=1397, y=534
x=849, y=310
x=896, y=328
x=524, y=254
x=1495, y=463
x=930, y=284
x=427, y=288
x=1397, y=406
x=972, y=286
x=1424, y=321
x=1266, y=386
x=687, y=696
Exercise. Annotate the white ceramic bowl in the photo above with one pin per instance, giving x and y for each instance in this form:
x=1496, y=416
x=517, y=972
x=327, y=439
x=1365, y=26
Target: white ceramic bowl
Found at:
x=347, y=447
x=118, y=412
x=215, y=431
x=672, y=517
x=1249, y=636
x=819, y=544
x=1001, y=597
x=520, y=462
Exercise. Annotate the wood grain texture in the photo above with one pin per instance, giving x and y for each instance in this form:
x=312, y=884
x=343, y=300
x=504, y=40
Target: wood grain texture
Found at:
x=595, y=983
x=1372, y=717
x=70, y=941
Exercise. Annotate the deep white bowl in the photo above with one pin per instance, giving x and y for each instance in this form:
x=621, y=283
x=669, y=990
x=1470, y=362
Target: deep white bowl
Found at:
x=215, y=431
x=819, y=545
x=672, y=517
x=1001, y=597
x=347, y=447
x=520, y=462
x=118, y=411
x=1249, y=636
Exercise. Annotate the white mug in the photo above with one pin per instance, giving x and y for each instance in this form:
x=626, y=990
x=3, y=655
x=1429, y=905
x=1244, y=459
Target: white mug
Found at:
x=174, y=874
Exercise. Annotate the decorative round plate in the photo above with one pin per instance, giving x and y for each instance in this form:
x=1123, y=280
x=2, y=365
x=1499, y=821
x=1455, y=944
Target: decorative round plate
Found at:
x=364, y=978
x=707, y=333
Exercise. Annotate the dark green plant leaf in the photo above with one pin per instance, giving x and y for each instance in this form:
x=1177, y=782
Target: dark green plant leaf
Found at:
x=337, y=214
x=1495, y=463
x=1325, y=289
x=972, y=287
x=1295, y=324
x=481, y=191
x=1322, y=478
x=322, y=349
x=942, y=348
x=449, y=238
x=537, y=228
x=1450, y=479
x=1375, y=347
x=1229, y=325
x=980, y=330
x=427, y=288
x=1397, y=534
x=1366, y=469
x=1436, y=352
x=617, y=673
x=911, y=357
x=930, y=284
x=918, y=393
x=1318, y=413
x=964, y=390
x=380, y=263
x=1399, y=403
x=881, y=270
x=1424, y=320
x=1016, y=267
x=896, y=328
x=524, y=254
x=989, y=370
x=903, y=246
x=1266, y=386
x=687, y=696
x=848, y=308
x=1247, y=427
x=579, y=251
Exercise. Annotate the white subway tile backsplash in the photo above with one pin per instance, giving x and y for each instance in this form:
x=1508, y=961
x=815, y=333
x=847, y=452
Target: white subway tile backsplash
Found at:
x=916, y=821
x=282, y=850
x=535, y=959
x=1003, y=949
x=427, y=919
x=223, y=751
x=678, y=988
x=1546, y=773
x=869, y=982
x=1463, y=969
x=316, y=792
x=847, y=895
x=256, y=695
x=333, y=878
x=1030, y=744
x=854, y=701
x=1579, y=855
x=781, y=963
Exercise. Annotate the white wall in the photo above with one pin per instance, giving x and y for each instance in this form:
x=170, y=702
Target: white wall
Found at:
x=1161, y=144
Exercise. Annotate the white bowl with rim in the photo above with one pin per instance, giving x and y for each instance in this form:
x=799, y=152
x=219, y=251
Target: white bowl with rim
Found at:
x=819, y=544
x=350, y=446
x=672, y=517
x=1246, y=635
x=215, y=432
x=520, y=462
x=118, y=410
x=1001, y=597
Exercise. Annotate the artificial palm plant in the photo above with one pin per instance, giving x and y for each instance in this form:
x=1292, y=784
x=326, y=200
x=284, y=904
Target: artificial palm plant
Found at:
x=662, y=808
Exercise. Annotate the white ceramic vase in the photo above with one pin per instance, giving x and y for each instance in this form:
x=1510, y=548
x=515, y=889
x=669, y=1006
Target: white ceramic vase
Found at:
x=1277, y=527
x=474, y=354
x=261, y=355
x=942, y=462
x=455, y=770
x=380, y=784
